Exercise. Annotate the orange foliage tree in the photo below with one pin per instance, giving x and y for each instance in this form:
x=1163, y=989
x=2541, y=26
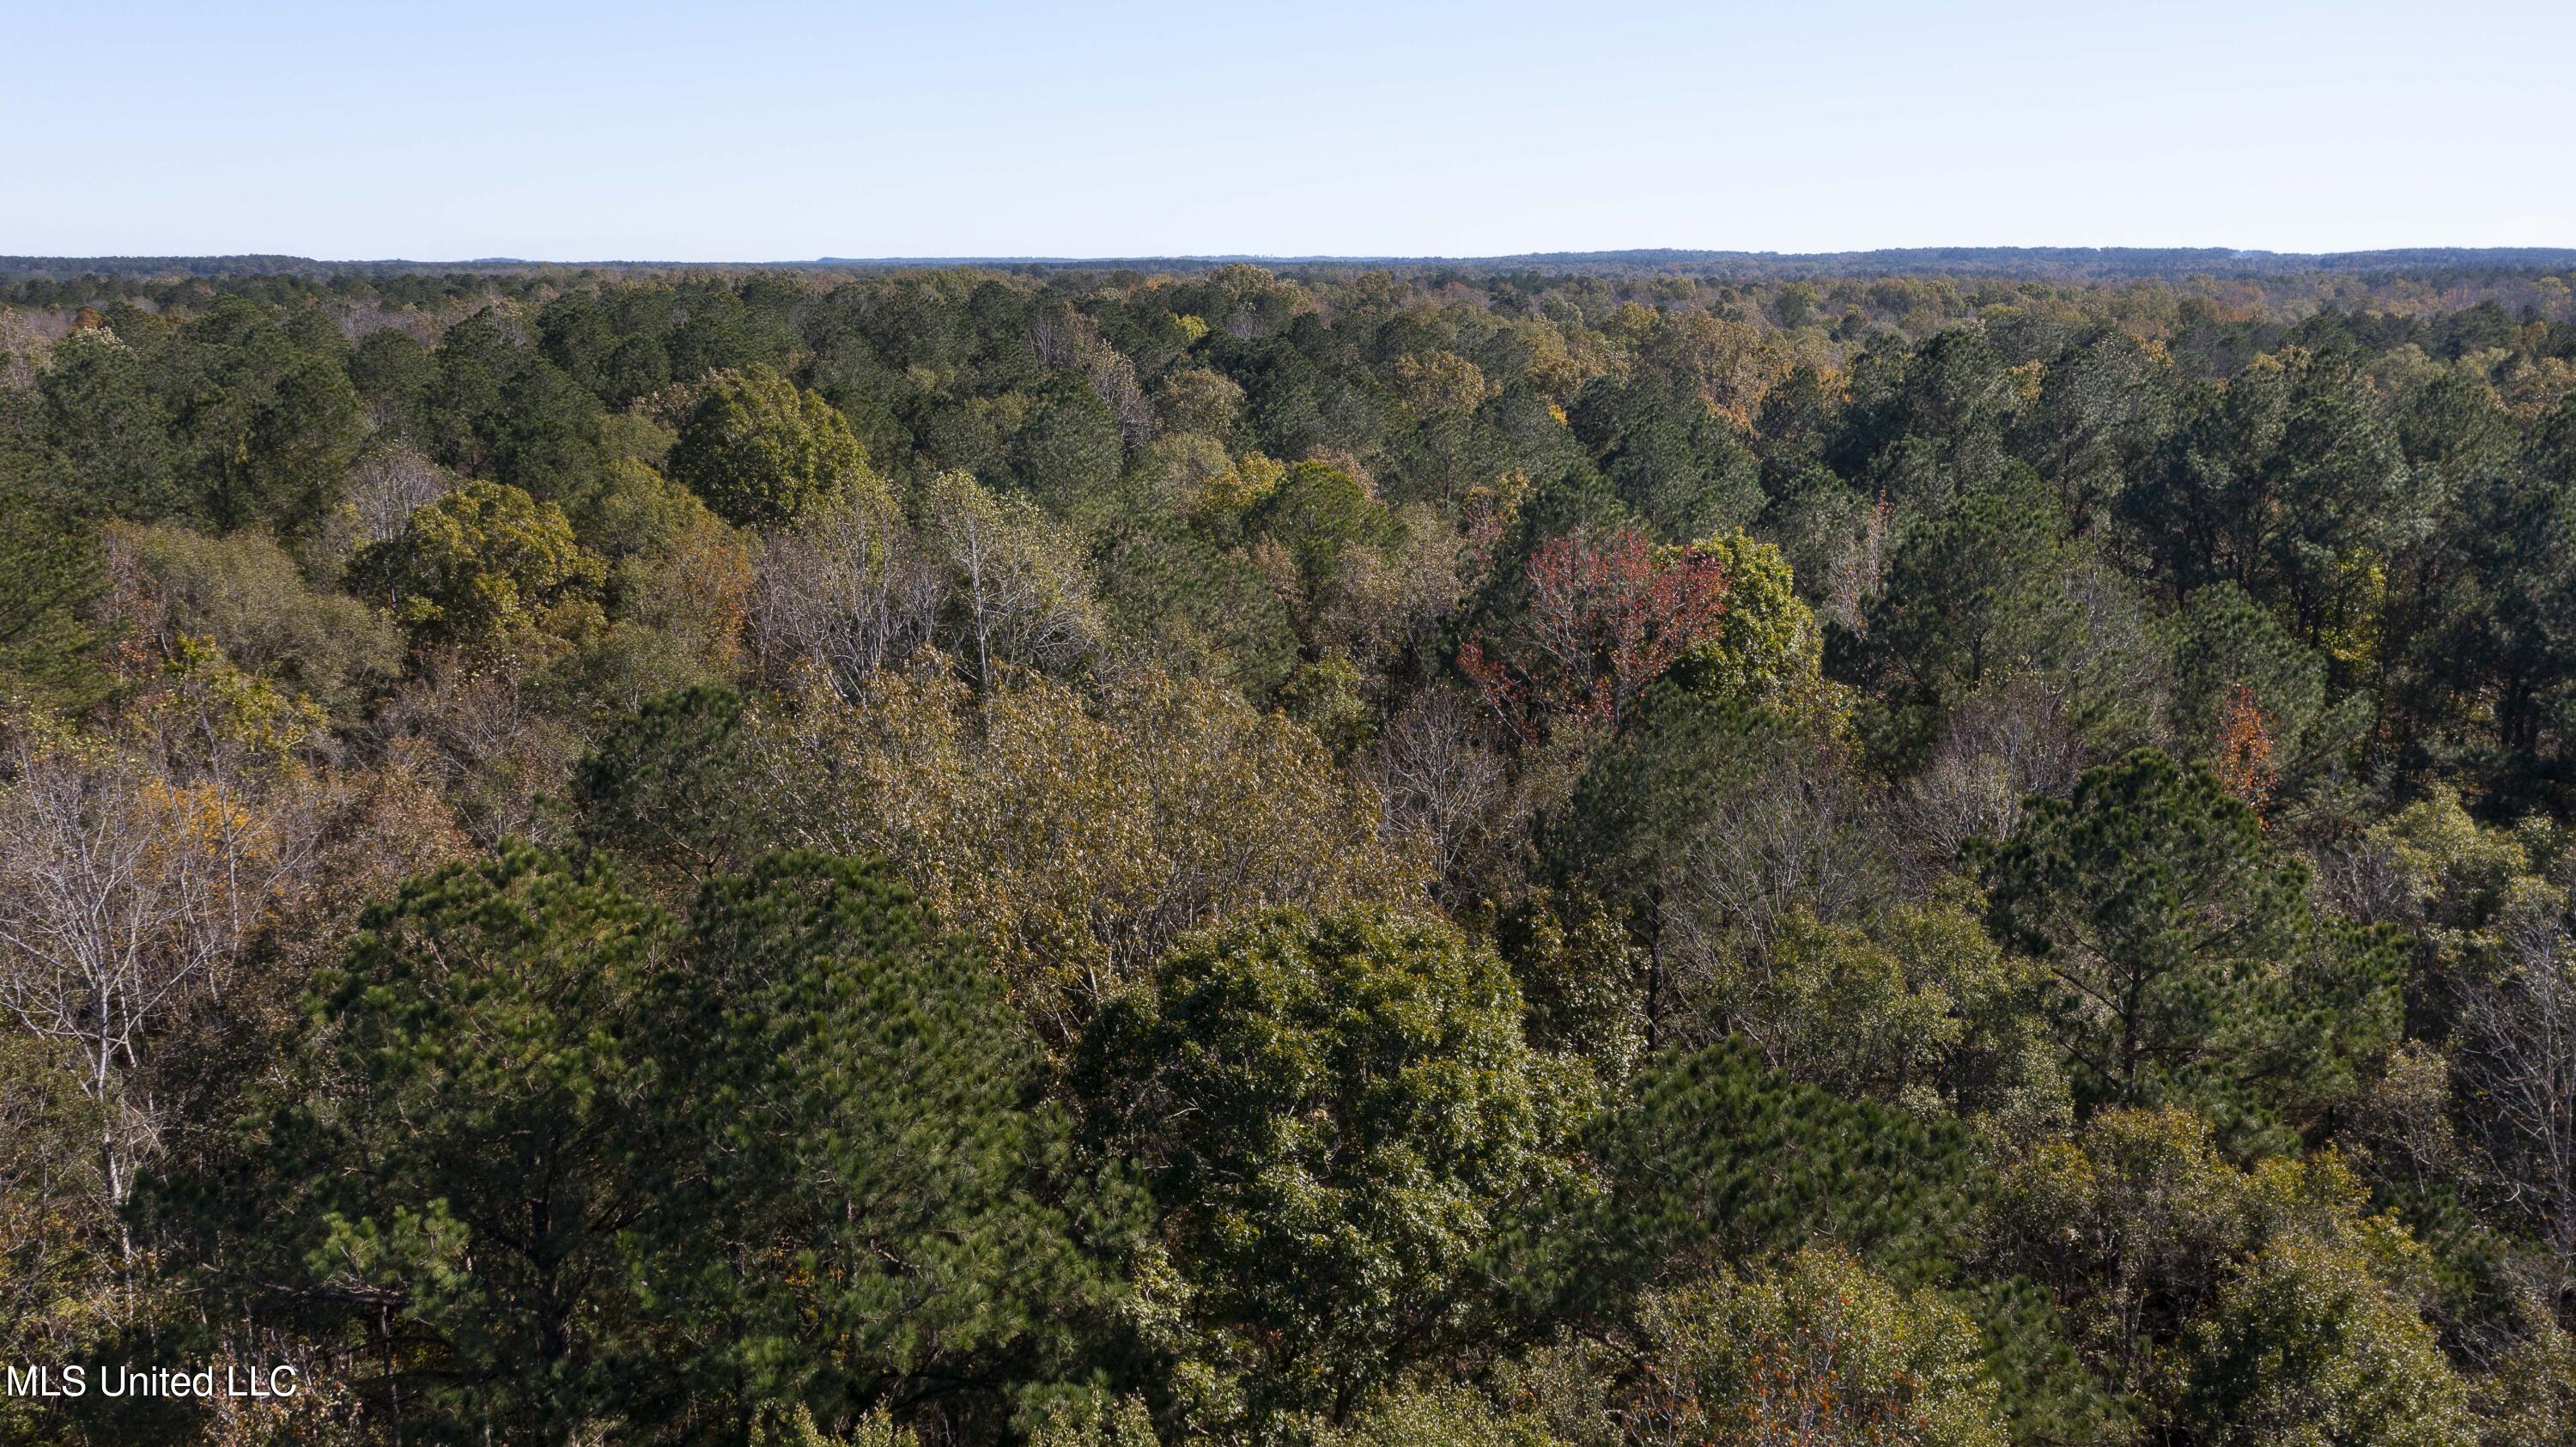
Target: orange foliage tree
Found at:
x=1608, y=614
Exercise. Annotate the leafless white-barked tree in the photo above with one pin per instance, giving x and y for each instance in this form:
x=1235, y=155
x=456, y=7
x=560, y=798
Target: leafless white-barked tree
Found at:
x=126, y=896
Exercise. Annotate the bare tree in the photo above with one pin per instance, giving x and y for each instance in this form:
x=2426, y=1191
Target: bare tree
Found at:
x=1018, y=589
x=2517, y=1063
x=1793, y=832
x=1062, y=338
x=2003, y=745
x=1441, y=780
x=847, y=592
x=1857, y=570
x=127, y=892
x=388, y=485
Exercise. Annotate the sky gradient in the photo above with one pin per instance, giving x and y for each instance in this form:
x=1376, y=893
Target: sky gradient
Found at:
x=764, y=131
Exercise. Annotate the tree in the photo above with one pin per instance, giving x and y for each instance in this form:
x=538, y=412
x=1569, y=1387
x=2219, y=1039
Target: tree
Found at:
x=2233, y=660
x=1320, y=514
x=1442, y=782
x=669, y=786
x=2150, y=1239
x=2187, y=961
x=2518, y=1061
x=2306, y=1347
x=498, y=409
x=460, y=1159
x=1191, y=606
x=487, y=568
x=1975, y=593
x=49, y=570
x=1018, y=588
x=2507, y=630
x=1607, y=615
x=1711, y=1158
x=108, y=428
x=2104, y=407
x=1711, y=820
x=1332, y=1111
x=58, y=1288
x=1068, y=454
x=2288, y=480
x=1440, y=1417
x=271, y=417
x=1920, y=1009
x=763, y=451
x=1077, y=843
x=1438, y=381
x=1765, y=646
x=868, y=1204
x=130, y=885
x=1818, y=1351
x=1200, y=401
x=244, y=594
x=1680, y=465
x=847, y=591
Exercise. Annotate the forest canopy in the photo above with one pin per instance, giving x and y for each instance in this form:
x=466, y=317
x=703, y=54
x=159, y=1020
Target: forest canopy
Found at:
x=1628, y=851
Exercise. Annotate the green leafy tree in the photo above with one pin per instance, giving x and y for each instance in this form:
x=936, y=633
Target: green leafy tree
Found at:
x=1332, y=1112
x=1973, y=593
x=1185, y=601
x=49, y=572
x=762, y=450
x=2306, y=1347
x=270, y=416
x=1820, y=1350
x=1767, y=646
x=498, y=409
x=1440, y=1417
x=109, y=428
x=464, y=1153
x=671, y=787
x=2134, y=1224
x=1712, y=1159
x=867, y=1204
x=1318, y=514
x=2228, y=649
x=2188, y=963
x=485, y=567
x=58, y=1236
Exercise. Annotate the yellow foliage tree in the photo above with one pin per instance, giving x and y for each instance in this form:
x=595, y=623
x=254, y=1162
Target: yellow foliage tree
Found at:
x=1077, y=841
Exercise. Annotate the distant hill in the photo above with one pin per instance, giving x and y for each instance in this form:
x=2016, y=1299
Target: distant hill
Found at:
x=2076, y=263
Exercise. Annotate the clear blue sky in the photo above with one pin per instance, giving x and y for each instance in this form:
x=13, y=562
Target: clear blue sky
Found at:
x=767, y=131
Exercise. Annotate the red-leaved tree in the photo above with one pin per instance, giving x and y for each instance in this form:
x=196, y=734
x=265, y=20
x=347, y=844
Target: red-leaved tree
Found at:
x=1608, y=614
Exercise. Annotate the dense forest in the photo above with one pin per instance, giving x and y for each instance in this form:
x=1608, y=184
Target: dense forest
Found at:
x=1299, y=857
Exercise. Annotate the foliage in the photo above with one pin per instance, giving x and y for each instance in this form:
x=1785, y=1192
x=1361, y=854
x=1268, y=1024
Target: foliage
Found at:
x=1078, y=845
x=2305, y=1347
x=48, y=570
x=2046, y=775
x=2188, y=963
x=1712, y=1159
x=668, y=788
x=1607, y=617
x=761, y=450
x=487, y=568
x=825, y=1030
x=1820, y=1350
x=466, y=1148
x=1333, y=1107
x=243, y=594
